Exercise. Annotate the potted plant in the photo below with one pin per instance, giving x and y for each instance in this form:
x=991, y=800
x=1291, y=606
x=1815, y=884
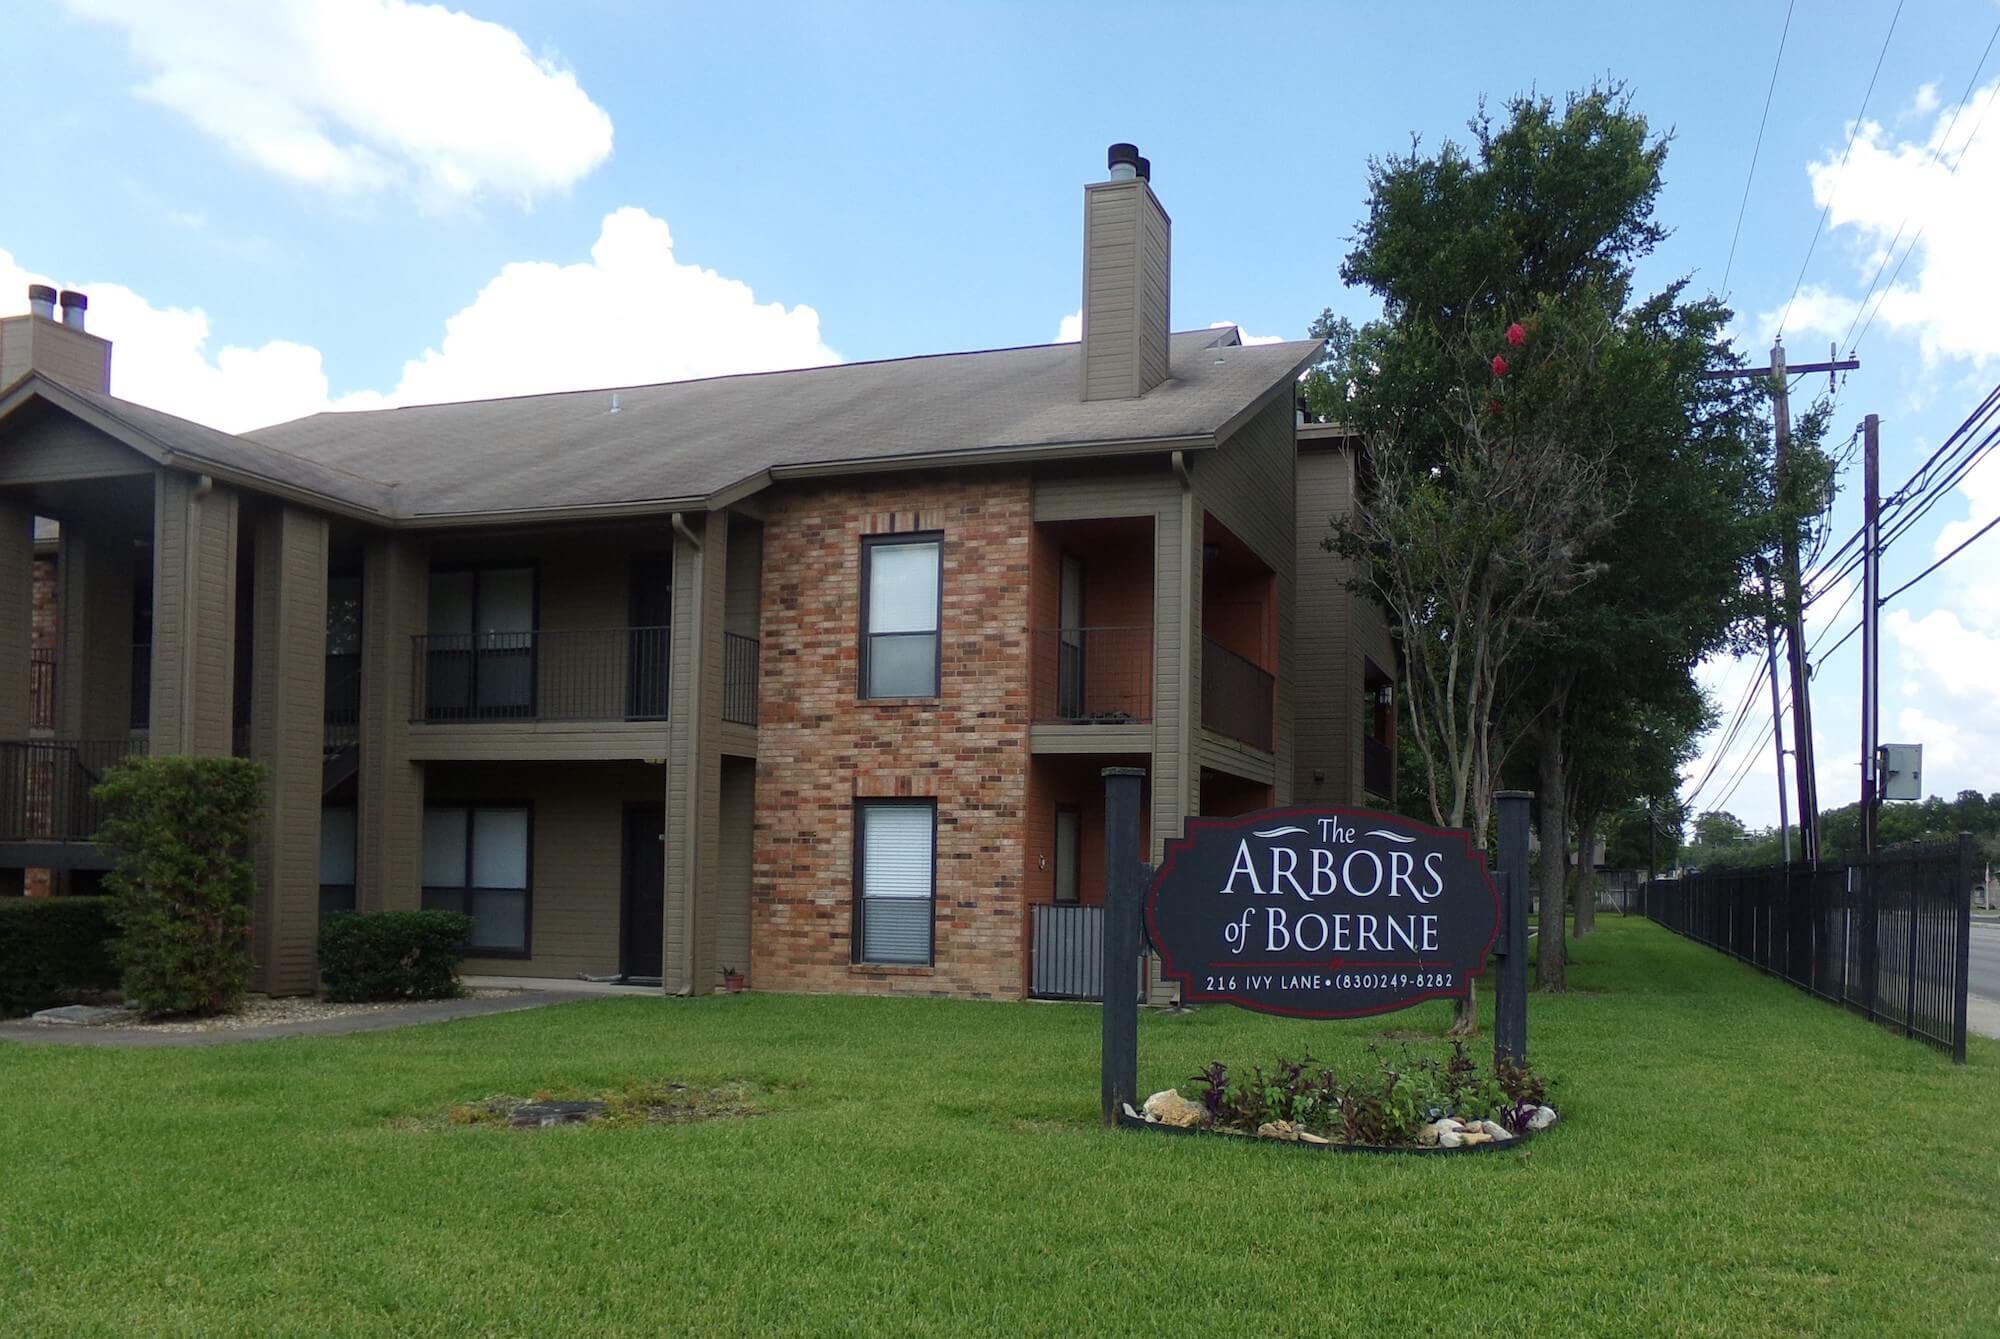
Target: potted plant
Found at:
x=732, y=980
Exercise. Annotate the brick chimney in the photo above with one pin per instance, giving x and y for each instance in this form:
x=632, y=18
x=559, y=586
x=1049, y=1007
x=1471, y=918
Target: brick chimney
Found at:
x=57, y=347
x=1127, y=256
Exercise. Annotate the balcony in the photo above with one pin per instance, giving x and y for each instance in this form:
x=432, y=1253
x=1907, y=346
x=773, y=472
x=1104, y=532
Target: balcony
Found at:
x=1238, y=699
x=45, y=787
x=599, y=674
x=739, y=679
x=41, y=690
x=1092, y=676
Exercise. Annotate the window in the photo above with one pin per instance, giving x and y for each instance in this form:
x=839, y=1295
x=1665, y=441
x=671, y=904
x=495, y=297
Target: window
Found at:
x=1069, y=852
x=481, y=647
x=336, y=860
x=476, y=862
x=895, y=878
x=899, y=611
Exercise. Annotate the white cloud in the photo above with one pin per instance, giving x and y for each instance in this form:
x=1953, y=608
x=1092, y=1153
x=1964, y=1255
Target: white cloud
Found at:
x=1069, y=330
x=632, y=313
x=357, y=96
x=160, y=358
x=1946, y=186
x=1245, y=335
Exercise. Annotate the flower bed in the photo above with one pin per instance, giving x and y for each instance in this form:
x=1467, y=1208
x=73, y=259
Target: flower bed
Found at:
x=1405, y=1103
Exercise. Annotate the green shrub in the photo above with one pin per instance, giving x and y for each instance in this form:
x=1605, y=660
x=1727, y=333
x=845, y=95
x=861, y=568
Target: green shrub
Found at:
x=392, y=955
x=181, y=829
x=53, y=949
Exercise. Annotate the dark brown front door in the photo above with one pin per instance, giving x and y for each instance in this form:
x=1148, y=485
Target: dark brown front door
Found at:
x=644, y=919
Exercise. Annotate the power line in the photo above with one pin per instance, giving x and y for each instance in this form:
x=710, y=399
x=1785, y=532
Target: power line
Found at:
x=1851, y=134
x=1962, y=547
x=1742, y=208
x=1850, y=340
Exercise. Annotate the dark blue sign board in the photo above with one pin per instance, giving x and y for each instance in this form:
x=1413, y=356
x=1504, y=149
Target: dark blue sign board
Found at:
x=1322, y=912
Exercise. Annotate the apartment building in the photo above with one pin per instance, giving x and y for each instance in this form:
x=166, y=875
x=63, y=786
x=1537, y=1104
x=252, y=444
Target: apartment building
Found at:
x=808, y=674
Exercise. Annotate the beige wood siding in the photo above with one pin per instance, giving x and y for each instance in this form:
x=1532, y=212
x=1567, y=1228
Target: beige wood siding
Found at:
x=1248, y=483
x=63, y=353
x=17, y=562
x=394, y=594
x=287, y=705
x=577, y=836
x=1127, y=240
x=94, y=662
x=194, y=617
x=55, y=447
x=1327, y=761
x=746, y=574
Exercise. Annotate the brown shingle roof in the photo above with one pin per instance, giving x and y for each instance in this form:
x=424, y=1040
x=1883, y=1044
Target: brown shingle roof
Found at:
x=689, y=441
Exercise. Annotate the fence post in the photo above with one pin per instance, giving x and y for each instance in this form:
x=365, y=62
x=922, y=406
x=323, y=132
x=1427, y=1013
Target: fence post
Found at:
x=1962, y=895
x=1510, y=1001
x=1120, y=1067
x=1871, y=924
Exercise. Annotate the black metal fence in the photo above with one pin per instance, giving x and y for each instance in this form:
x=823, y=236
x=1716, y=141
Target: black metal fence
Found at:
x=1067, y=957
x=42, y=690
x=45, y=786
x=1237, y=698
x=601, y=674
x=1092, y=676
x=739, y=678
x=1889, y=937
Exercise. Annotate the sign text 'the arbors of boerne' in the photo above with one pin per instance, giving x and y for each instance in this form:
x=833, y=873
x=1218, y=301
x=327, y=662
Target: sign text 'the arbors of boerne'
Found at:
x=1321, y=913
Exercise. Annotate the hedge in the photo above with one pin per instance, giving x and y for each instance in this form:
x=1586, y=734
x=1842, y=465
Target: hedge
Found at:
x=53, y=949
x=392, y=955
x=181, y=829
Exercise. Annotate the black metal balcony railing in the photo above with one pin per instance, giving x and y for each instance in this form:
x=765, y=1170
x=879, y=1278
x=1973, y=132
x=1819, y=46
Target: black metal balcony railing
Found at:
x=1237, y=698
x=45, y=786
x=739, y=678
x=600, y=674
x=1378, y=768
x=1092, y=676
x=42, y=690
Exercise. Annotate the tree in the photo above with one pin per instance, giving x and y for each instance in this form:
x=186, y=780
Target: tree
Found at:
x=1509, y=331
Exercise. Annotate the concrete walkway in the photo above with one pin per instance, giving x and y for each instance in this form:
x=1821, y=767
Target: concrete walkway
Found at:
x=377, y=1020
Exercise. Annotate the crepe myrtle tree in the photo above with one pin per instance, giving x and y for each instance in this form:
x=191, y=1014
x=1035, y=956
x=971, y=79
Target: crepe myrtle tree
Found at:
x=1528, y=425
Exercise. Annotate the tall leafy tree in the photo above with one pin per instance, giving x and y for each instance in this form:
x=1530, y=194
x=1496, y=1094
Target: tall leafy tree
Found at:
x=1510, y=332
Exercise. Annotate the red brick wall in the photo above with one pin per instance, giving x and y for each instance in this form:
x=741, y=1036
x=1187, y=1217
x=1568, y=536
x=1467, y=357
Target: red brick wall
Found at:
x=820, y=747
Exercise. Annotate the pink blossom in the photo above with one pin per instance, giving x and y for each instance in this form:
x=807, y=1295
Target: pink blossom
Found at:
x=1516, y=336
x=1499, y=366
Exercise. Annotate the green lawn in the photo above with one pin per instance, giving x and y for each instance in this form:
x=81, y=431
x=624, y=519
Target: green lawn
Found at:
x=1736, y=1159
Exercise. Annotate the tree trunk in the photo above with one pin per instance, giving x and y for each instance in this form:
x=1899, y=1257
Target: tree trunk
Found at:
x=1553, y=871
x=1465, y=1013
x=1586, y=876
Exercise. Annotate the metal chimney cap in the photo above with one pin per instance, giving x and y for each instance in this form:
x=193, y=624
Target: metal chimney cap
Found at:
x=69, y=297
x=1145, y=169
x=74, y=305
x=1123, y=160
x=42, y=293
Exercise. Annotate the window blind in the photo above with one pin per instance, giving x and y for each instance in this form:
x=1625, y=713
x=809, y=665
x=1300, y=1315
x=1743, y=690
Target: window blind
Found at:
x=897, y=858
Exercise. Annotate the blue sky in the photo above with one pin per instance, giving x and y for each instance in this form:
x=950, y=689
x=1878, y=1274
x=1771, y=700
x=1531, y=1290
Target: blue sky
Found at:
x=280, y=204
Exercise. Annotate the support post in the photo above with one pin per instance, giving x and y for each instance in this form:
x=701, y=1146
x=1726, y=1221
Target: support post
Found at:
x=1871, y=578
x=1122, y=893
x=1963, y=896
x=1510, y=1000
x=1802, y=746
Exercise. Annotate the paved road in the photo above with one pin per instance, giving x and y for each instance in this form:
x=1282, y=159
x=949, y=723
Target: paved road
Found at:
x=1985, y=958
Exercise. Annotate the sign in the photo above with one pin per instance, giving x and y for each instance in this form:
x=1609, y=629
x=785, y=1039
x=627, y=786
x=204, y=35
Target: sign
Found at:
x=1322, y=913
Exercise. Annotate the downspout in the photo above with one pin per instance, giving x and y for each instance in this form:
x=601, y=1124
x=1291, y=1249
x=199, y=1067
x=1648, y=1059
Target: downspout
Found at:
x=681, y=528
x=690, y=758
x=1190, y=670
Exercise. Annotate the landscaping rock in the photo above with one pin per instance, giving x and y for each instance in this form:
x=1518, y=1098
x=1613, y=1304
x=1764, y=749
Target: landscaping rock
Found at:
x=1543, y=1118
x=542, y=1115
x=83, y=1015
x=1308, y=1137
x=1472, y=1137
x=1500, y=1133
x=1170, y=1108
x=1436, y=1130
x=1278, y=1129
x=1450, y=1139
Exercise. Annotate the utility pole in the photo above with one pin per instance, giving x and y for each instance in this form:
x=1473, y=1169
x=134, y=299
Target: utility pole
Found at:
x=1795, y=638
x=1871, y=632
x=1795, y=652
x=1777, y=712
